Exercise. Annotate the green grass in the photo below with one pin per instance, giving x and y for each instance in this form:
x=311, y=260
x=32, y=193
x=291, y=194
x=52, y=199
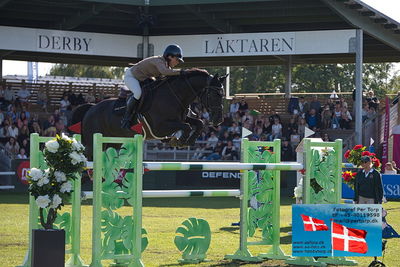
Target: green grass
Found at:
x=161, y=218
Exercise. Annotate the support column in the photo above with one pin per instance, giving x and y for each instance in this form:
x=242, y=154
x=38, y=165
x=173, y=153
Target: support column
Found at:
x=228, y=84
x=1, y=70
x=359, y=71
x=288, y=78
x=146, y=29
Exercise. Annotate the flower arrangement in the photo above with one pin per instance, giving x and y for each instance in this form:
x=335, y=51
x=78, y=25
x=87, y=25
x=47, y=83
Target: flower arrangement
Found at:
x=354, y=156
x=52, y=187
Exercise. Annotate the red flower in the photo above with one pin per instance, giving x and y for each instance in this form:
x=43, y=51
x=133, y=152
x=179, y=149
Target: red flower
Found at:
x=372, y=154
x=347, y=154
x=354, y=174
x=302, y=171
x=376, y=162
x=366, y=153
x=357, y=147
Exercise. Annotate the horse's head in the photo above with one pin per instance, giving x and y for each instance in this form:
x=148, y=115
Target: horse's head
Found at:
x=212, y=98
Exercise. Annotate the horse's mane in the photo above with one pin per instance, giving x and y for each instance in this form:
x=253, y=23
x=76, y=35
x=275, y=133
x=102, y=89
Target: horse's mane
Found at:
x=196, y=71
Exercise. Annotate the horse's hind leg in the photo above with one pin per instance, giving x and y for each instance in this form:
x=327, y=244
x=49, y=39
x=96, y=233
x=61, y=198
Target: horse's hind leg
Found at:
x=198, y=126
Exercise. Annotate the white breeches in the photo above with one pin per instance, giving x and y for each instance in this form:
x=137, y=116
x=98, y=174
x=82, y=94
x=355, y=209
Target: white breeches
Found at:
x=133, y=84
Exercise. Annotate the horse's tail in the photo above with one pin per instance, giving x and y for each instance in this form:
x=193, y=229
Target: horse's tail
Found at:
x=77, y=117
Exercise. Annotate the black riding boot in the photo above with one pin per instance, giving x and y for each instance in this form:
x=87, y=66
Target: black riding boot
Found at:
x=130, y=116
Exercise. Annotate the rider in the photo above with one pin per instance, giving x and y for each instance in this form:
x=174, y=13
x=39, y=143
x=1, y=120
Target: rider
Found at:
x=152, y=67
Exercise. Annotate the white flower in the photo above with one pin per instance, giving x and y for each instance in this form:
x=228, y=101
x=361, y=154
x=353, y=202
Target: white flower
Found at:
x=42, y=181
x=52, y=146
x=57, y=200
x=76, y=157
x=76, y=145
x=66, y=187
x=298, y=192
x=83, y=159
x=65, y=137
x=43, y=201
x=35, y=174
x=60, y=176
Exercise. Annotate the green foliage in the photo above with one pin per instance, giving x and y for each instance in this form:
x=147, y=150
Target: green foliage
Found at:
x=193, y=239
x=90, y=71
x=311, y=78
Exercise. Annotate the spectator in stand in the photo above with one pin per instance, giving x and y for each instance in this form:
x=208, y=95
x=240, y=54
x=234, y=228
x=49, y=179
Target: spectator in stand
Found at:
x=330, y=103
x=23, y=134
x=25, y=145
x=302, y=127
x=337, y=116
x=233, y=108
x=227, y=122
x=13, y=113
x=2, y=100
x=72, y=98
x=291, y=127
x=12, y=147
x=36, y=128
x=389, y=168
x=395, y=166
x=247, y=118
x=9, y=95
x=343, y=102
x=60, y=125
x=326, y=117
x=229, y=152
x=372, y=100
x=90, y=98
x=27, y=113
x=64, y=104
x=49, y=127
x=2, y=117
x=216, y=154
x=225, y=137
x=243, y=107
x=21, y=154
x=22, y=120
x=345, y=119
x=24, y=95
x=315, y=104
x=4, y=131
x=234, y=129
x=202, y=136
x=42, y=99
x=326, y=138
x=276, y=130
x=213, y=139
x=287, y=151
x=295, y=138
x=303, y=107
x=237, y=141
x=313, y=120
x=13, y=130
x=80, y=99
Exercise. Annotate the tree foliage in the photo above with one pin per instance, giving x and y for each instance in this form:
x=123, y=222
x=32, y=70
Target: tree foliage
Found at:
x=270, y=79
x=90, y=71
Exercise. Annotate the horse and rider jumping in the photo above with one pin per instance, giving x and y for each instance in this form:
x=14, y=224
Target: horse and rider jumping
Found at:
x=164, y=109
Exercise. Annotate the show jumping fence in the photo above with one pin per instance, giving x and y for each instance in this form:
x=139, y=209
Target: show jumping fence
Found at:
x=122, y=238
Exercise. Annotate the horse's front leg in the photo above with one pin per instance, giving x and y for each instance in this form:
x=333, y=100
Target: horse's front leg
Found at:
x=175, y=126
x=198, y=126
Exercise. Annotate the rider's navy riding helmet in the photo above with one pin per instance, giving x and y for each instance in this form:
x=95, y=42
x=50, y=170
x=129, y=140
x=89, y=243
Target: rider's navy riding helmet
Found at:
x=173, y=50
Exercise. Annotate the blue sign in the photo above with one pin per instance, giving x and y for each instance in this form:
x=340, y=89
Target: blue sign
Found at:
x=337, y=230
x=391, y=187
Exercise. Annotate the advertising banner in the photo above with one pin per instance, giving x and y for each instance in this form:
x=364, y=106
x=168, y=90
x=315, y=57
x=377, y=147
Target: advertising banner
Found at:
x=337, y=230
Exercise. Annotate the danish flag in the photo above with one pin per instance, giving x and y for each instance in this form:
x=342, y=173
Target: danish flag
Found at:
x=348, y=239
x=312, y=224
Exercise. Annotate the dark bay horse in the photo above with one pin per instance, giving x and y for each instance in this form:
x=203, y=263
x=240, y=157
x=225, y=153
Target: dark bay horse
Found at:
x=165, y=115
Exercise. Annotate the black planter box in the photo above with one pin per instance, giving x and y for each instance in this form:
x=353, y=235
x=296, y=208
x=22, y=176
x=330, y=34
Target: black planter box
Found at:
x=48, y=248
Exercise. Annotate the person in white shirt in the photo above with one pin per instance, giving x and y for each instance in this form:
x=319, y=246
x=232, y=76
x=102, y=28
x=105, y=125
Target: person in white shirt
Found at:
x=233, y=108
x=9, y=95
x=276, y=130
x=13, y=130
x=389, y=168
x=64, y=104
x=22, y=154
x=213, y=139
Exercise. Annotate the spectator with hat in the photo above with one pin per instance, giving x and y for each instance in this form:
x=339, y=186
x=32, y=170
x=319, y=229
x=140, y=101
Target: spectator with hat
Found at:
x=368, y=187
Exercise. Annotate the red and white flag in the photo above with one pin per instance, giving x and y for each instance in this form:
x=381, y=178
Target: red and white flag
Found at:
x=312, y=224
x=348, y=239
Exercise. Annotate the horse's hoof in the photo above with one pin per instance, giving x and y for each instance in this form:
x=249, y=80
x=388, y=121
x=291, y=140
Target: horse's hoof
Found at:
x=173, y=141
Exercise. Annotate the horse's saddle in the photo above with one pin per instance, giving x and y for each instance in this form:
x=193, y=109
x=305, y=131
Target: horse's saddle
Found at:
x=148, y=87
